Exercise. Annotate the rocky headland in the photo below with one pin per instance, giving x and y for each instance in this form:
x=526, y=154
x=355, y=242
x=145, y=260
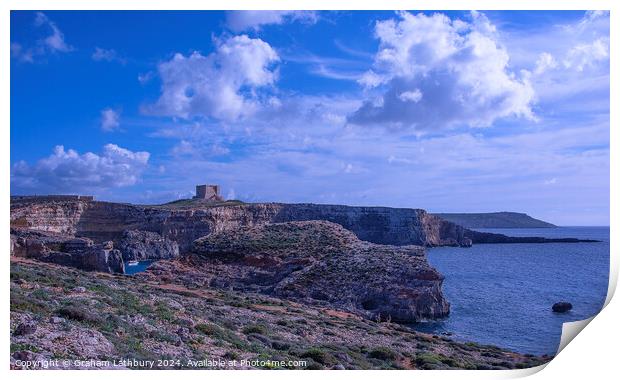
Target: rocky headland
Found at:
x=503, y=219
x=315, y=263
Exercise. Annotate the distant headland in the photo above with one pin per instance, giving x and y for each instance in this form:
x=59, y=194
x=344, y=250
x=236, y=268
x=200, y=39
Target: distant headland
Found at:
x=503, y=219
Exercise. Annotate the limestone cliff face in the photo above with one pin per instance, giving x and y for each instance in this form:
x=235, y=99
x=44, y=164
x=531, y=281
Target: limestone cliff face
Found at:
x=145, y=245
x=103, y=221
x=81, y=253
x=40, y=215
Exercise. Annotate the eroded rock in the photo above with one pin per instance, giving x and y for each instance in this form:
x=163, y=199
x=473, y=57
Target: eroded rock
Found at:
x=81, y=253
x=315, y=262
x=146, y=245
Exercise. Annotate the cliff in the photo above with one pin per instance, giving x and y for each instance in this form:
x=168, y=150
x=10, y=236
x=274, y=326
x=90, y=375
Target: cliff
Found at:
x=106, y=221
x=502, y=219
x=81, y=253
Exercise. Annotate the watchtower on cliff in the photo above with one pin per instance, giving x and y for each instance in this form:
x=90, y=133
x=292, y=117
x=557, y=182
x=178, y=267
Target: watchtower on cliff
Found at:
x=208, y=192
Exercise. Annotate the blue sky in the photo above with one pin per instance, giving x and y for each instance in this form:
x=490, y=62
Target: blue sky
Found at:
x=447, y=111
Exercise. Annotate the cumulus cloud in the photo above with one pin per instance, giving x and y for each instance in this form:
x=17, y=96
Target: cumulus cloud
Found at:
x=586, y=55
x=570, y=65
x=580, y=57
x=434, y=72
x=223, y=85
x=545, y=62
x=110, y=119
x=239, y=21
x=71, y=172
x=52, y=42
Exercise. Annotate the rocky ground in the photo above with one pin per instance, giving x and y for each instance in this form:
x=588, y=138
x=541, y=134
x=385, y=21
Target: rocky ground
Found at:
x=106, y=320
x=316, y=263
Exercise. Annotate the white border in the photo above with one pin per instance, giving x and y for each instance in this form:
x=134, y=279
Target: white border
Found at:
x=592, y=355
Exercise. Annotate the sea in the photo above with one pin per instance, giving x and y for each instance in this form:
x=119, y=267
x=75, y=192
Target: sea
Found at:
x=502, y=294
x=141, y=266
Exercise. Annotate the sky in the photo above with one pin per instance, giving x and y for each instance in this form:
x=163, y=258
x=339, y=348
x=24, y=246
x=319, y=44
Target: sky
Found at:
x=448, y=111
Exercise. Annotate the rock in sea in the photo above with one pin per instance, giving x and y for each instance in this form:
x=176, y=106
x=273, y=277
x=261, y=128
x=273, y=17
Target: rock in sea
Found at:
x=562, y=307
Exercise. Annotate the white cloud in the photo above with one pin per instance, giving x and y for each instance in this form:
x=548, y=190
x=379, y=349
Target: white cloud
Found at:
x=545, y=62
x=69, y=171
x=183, y=148
x=146, y=77
x=337, y=68
x=459, y=66
x=239, y=21
x=570, y=65
x=550, y=181
x=592, y=17
x=198, y=150
x=56, y=40
x=587, y=55
x=109, y=55
x=370, y=79
x=21, y=53
x=223, y=85
x=398, y=160
x=109, y=119
x=411, y=96
x=52, y=42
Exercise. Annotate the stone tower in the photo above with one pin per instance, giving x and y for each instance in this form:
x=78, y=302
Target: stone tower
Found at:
x=208, y=192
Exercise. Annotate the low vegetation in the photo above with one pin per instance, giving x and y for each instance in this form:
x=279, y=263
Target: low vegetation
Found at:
x=88, y=315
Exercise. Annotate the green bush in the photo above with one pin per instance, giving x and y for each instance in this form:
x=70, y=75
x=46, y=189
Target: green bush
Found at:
x=427, y=358
x=254, y=329
x=319, y=355
x=207, y=329
x=382, y=353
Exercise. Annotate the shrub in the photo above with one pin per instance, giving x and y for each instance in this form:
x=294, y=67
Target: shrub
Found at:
x=78, y=314
x=254, y=329
x=319, y=355
x=382, y=353
x=207, y=329
x=231, y=355
x=164, y=312
x=427, y=358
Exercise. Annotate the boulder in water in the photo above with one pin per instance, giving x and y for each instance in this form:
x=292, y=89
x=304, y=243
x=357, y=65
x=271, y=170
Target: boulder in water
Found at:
x=562, y=307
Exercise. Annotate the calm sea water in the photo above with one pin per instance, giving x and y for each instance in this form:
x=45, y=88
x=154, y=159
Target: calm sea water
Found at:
x=140, y=267
x=502, y=294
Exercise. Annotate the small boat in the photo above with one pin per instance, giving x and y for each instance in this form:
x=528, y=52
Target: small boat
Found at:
x=132, y=262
